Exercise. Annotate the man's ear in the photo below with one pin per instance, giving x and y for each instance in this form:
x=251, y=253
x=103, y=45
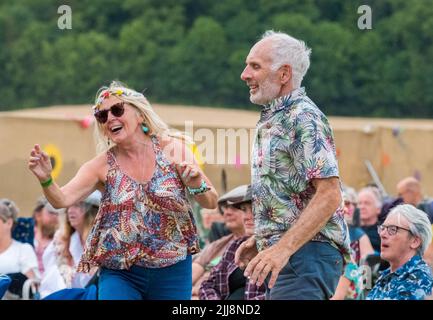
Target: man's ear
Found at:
x=286, y=74
x=415, y=243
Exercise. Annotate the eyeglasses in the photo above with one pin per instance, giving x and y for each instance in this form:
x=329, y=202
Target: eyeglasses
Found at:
x=117, y=110
x=392, y=230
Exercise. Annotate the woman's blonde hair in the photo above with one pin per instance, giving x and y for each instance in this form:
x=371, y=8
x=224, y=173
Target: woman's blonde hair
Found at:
x=137, y=100
x=90, y=212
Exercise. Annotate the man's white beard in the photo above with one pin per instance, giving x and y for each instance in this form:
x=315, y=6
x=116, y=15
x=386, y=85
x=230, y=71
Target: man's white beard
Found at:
x=266, y=92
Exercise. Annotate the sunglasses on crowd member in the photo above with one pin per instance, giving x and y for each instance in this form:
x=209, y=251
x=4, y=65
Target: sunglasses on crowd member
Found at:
x=227, y=206
x=117, y=110
x=391, y=229
x=223, y=207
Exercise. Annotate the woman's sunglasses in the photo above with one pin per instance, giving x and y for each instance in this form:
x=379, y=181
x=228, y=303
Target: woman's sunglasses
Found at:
x=117, y=110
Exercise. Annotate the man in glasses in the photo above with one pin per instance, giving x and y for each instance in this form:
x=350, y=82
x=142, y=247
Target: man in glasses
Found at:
x=405, y=235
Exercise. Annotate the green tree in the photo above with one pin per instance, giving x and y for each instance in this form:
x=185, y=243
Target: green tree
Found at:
x=23, y=60
x=330, y=80
x=269, y=8
x=79, y=65
x=367, y=65
x=193, y=51
x=197, y=64
x=10, y=17
x=144, y=47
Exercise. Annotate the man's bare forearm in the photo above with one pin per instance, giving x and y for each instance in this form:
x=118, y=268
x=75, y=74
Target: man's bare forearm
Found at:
x=314, y=217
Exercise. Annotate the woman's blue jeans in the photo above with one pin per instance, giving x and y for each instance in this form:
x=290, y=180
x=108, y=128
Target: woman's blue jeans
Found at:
x=139, y=283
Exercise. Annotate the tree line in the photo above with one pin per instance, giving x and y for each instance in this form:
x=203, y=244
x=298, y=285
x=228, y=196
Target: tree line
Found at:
x=193, y=51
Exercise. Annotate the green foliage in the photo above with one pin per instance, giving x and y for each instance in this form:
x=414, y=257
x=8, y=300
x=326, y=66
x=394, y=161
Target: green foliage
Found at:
x=193, y=51
x=197, y=63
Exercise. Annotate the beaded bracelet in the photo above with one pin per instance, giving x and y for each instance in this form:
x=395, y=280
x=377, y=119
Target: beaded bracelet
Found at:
x=47, y=183
x=202, y=189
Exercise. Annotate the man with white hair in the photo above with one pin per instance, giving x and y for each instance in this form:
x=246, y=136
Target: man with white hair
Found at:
x=405, y=235
x=301, y=237
x=369, y=204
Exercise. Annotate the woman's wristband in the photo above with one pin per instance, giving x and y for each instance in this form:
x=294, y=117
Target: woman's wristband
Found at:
x=202, y=189
x=47, y=183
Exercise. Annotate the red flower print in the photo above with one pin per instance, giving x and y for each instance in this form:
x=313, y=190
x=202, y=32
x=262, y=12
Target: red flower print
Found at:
x=313, y=173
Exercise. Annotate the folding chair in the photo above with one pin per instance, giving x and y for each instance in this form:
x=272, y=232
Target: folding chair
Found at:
x=5, y=281
x=374, y=263
x=21, y=288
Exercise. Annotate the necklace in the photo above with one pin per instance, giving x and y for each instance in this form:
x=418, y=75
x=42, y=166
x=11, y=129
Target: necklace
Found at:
x=137, y=167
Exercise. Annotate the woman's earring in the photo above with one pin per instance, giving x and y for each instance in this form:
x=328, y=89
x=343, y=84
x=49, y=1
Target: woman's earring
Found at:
x=108, y=142
x=144, y=128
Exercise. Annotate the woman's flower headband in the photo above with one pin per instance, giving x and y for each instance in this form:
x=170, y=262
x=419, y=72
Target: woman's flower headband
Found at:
x=118, y=92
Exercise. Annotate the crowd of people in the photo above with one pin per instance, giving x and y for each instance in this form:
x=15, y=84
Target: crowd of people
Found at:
x=124, y=224
x=405, y=240
x=400, y=268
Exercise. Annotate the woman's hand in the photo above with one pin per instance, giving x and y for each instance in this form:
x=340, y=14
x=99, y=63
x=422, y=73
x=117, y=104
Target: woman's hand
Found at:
x=40, y=164
x=190, y=174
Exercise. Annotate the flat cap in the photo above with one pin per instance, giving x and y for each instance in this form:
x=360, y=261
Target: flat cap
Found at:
x=235, y=195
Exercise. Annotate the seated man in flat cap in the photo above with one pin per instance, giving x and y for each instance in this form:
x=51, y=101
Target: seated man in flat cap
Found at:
x=226, y=280
x=212, y=253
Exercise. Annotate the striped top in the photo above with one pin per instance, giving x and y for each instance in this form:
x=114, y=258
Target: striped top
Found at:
x=145, y=224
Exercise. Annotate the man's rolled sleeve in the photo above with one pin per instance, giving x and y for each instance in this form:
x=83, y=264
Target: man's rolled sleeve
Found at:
x=316, y=158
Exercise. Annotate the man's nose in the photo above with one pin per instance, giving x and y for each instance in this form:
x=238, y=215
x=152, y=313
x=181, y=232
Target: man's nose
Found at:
x=245, y=75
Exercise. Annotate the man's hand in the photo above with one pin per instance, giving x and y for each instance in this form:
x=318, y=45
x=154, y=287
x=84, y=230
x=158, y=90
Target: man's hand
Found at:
x=246, y=252
x=271, y=260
